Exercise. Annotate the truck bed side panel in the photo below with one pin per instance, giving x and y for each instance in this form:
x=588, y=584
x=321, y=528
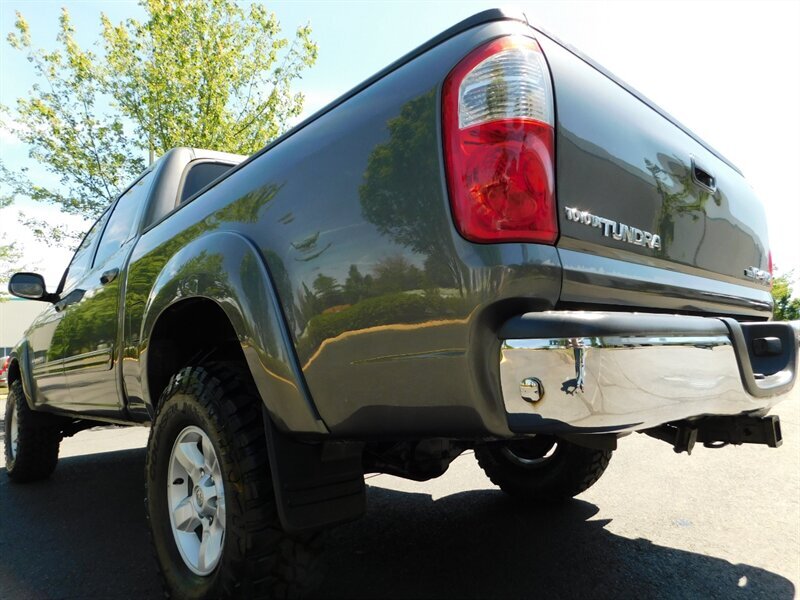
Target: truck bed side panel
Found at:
x=382, y=297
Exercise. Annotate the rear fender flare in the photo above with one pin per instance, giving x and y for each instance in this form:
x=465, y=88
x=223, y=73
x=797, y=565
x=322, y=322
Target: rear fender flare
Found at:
x=227, y=268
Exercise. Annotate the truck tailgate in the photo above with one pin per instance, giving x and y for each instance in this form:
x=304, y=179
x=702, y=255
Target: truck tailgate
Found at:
x=648, y=214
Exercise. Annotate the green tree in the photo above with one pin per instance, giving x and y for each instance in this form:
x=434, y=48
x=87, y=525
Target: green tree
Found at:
x=786, y=308
x=9, y=254
x=200, y=73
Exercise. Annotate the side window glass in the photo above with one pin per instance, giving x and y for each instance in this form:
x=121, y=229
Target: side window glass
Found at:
x=123, y=222
x=82, y=259
x=199, y=176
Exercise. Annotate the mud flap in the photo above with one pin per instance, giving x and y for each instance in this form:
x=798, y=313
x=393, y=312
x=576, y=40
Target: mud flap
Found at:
x=317, y=484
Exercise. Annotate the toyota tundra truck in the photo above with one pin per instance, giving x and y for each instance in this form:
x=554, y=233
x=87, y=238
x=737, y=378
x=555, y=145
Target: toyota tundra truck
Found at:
x=492, y=244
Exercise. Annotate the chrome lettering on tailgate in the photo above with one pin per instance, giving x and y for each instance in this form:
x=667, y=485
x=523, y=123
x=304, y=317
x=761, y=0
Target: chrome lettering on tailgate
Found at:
x=611, y=228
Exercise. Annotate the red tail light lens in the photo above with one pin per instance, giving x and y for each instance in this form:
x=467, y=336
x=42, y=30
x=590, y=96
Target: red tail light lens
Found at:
x=499, y=143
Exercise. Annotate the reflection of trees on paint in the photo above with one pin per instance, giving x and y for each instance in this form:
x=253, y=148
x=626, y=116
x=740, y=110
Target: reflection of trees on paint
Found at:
x=395, y=292
x=391, y=275
x=389, y=309
x=247, y=208
x=679, y=197
x=402, y=190
x=328, y=290
x=357, y=286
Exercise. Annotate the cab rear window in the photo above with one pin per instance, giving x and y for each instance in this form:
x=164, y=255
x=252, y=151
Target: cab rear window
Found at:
x=199, y=176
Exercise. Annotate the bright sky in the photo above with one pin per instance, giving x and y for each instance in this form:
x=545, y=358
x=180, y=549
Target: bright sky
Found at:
x=729, y=71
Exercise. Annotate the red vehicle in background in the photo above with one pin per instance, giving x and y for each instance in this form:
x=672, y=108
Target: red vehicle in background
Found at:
x=4, y=370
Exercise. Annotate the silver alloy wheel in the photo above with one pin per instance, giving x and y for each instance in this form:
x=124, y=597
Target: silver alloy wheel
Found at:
x=13, y=427
x=196, y=500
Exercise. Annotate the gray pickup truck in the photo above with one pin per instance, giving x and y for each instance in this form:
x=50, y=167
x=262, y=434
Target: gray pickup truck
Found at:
x=492, y=244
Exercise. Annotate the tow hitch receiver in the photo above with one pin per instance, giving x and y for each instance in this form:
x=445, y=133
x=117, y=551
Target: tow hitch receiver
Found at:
x=716, y=432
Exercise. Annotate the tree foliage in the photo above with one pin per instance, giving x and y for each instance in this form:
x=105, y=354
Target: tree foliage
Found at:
x=209, y=74
x=786, y=307
x=9, y=254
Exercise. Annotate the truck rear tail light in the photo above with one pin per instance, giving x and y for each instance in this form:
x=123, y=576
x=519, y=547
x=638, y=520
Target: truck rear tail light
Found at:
x=498, y=137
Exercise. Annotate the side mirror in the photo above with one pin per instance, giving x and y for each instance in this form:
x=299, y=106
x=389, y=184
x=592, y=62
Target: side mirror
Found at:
x=30, y=286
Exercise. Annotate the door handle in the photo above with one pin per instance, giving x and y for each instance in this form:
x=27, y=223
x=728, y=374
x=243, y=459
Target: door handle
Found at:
x=109, y=276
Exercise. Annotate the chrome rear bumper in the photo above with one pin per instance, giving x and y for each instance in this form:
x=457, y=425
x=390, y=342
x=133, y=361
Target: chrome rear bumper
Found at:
x=611, y=372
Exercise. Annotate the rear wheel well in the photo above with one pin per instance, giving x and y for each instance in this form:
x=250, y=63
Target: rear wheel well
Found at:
x=13, y=372
x=189, y=332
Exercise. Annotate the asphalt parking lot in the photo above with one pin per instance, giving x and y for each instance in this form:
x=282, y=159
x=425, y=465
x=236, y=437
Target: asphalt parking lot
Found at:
x=717, y=524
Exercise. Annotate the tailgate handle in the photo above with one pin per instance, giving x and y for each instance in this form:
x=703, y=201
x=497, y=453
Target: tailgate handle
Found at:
x=702, y=177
